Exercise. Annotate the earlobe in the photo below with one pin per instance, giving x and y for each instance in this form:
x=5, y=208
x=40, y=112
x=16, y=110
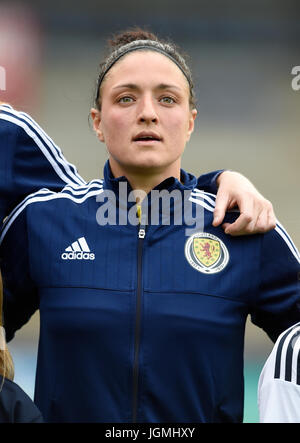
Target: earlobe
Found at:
x=96, y=117
x=191, y=123
x=100, y=135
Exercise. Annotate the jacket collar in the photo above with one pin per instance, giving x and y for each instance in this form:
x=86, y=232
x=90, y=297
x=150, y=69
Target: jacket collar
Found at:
x=187, y=181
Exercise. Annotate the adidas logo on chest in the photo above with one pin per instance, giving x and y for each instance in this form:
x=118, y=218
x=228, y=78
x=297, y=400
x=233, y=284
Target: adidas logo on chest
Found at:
x=78, y=250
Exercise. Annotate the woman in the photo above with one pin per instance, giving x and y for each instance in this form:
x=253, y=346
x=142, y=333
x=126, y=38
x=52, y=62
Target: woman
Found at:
x=142, y=321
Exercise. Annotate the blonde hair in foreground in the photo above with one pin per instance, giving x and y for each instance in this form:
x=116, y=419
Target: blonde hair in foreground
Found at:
x=6, y=363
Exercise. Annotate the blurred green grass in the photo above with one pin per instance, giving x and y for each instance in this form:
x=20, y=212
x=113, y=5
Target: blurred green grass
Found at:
x=251, y=375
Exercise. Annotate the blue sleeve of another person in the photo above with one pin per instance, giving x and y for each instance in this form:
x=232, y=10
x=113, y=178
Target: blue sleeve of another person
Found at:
x=29, y=160
x=208, y=181
x=277, y=305
x=20, y=298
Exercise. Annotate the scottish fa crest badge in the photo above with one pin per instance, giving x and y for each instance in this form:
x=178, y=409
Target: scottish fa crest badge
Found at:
x=206, y=253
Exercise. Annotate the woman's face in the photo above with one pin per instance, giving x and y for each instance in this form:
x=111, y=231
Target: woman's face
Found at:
x=145, y=118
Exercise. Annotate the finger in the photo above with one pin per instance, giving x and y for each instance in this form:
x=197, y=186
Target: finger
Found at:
x=226, y=227
x=262, y=223
x=222, y=203
x=244, y=225
x=266, y=221
x=248, y=214
x=271, y=218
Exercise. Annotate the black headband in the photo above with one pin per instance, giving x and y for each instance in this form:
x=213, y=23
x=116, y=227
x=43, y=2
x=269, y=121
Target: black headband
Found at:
x=135, y=48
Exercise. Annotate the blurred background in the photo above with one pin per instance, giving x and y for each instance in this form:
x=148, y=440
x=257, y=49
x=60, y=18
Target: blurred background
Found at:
x=241, y=52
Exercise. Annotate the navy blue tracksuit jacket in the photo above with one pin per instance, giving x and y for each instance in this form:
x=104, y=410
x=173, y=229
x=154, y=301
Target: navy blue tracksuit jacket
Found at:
x=144, y=322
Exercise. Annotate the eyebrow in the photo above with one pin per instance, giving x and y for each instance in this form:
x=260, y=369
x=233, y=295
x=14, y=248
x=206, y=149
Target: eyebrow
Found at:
x=133, y=86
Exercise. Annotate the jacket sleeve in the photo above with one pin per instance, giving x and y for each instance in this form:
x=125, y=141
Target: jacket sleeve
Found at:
x=29, y=160
x=208, y=182
x=277, y=303
x=20, y=295
x=279, y=382
x=16, y=406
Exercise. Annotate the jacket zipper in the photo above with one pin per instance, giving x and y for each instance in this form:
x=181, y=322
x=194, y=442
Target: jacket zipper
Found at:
x=141, y=236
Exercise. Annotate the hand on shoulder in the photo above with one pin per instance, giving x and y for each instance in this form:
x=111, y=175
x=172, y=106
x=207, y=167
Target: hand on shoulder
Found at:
x=256, y=212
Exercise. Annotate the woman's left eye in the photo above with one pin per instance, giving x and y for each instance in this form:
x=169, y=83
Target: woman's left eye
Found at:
x=168, y=100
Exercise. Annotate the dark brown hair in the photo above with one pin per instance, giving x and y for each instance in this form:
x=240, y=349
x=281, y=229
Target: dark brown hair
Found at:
x=136, y=39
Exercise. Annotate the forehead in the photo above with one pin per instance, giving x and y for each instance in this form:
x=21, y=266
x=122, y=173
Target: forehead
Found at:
x=146, y=67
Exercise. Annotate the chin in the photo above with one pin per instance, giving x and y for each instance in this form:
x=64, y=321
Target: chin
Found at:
x=146, y=160
x=148, y=166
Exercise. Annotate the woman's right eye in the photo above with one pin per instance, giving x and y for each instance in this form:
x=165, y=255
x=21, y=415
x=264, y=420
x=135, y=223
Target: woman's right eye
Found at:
x=125, y=99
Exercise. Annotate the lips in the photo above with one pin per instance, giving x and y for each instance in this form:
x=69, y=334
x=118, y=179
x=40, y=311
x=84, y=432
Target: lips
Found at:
x=147, y=136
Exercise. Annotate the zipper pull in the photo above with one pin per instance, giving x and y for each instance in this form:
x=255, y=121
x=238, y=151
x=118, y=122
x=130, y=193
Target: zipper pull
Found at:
x=142, y=233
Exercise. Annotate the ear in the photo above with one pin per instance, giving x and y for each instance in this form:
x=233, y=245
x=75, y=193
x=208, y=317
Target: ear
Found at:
x=96, y=117
x=193, y=115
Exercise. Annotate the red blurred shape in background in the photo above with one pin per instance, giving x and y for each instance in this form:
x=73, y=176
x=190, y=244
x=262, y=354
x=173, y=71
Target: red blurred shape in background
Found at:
x=20, y=56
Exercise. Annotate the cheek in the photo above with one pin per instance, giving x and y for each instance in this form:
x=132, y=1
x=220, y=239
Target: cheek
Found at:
x=178, y=125
x=114, y=125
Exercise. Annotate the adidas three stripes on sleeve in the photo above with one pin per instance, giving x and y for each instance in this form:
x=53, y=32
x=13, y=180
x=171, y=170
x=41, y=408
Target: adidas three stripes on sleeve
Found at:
x=279, y=382
x=29, y=160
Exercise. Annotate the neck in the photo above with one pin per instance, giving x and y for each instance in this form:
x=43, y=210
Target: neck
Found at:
x=145, y=179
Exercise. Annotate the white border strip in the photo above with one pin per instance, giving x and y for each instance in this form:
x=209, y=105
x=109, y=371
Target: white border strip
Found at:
x=68, y=188
x=283, y=234
x=283, y=353
x=202, y=203
x=76, y=187
x=200, y=191
x=287, y=235
x=81, y=191
x=205, y=197
x=296, y=351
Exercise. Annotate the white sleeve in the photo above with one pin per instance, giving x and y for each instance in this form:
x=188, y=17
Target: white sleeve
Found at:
x=279, y=382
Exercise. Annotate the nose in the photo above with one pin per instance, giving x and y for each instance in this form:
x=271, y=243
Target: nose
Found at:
x=147, y=112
